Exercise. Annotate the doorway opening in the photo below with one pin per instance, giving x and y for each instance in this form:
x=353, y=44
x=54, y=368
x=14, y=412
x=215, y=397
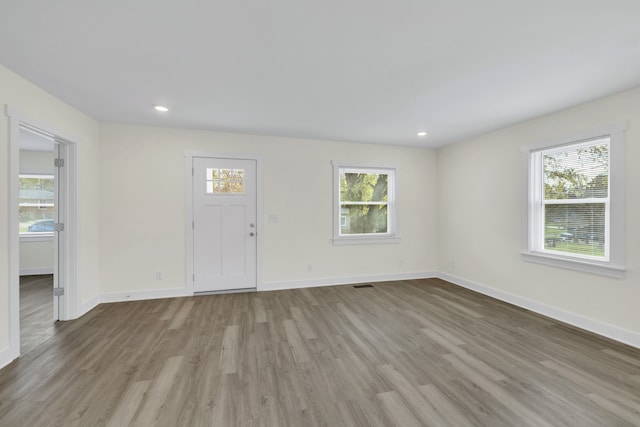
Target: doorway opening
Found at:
x=42, y=231
x=37, y=218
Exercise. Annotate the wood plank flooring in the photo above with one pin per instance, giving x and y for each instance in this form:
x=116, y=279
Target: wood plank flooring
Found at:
x=407, y=353
x=36, y=311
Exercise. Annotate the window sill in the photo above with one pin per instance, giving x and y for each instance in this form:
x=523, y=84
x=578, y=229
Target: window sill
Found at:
x=40, y=237
x=383, y=240
x=603, y=269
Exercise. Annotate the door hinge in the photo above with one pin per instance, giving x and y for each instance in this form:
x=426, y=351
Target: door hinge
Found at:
x=59, y=226
x=58, y=292
x=194, y=277
x=193, y=225
x=59, y=163
x=193, y=172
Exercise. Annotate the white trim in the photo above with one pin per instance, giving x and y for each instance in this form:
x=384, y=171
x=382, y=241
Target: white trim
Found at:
x=88, y=306
x=365, y=240
x=14, y=234
x=259, y=220
x=6, y=357
x=36, y=271
x=601, y=328
x=615, y=265
x=145, y=295
x=214, y=154
x=189, y=278
x=33, y=238
x=188, y=158
x=603, y=269
x=348, y=280
x=35, y=171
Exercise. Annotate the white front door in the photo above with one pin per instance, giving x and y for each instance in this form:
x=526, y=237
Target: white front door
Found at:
x=224, y=227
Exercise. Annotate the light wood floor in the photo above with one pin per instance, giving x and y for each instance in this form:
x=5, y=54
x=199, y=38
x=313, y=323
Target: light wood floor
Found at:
x=36, y=311
x=410, y=353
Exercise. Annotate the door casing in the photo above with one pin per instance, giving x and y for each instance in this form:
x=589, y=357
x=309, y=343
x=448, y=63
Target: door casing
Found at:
x=66, y=211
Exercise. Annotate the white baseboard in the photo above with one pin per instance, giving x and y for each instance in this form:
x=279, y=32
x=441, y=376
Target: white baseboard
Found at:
x=606, y=330
x=89, y=305
x=350, y=280
x=36, y=271
x=145, y=295
x=268, y=286
x=6, y=357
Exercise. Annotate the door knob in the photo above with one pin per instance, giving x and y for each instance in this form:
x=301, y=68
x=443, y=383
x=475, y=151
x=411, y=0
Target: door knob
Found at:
x=252, y=234
x=252, y=225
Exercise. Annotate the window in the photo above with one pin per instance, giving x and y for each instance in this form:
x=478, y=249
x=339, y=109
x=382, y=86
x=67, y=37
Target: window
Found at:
x=225, y=181
x=36, y=204
x=574, y=204
x=364, y=204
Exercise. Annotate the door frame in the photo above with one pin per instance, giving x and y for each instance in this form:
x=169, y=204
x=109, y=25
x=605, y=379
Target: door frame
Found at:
x=67, y=243
x=189, y=220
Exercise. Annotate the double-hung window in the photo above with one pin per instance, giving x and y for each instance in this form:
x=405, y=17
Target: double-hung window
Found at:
x=574, y=203
x=364, y=204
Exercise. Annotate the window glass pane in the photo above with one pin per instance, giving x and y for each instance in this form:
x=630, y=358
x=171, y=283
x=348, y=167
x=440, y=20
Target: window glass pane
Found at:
x=36, y=204
x=575, y=228
x=363, y=187
x=225, y=181
x=363, y=219
x=212, y=174
x=577, y=173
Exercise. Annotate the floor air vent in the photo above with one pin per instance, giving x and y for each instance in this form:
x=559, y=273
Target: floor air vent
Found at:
x=363, y=286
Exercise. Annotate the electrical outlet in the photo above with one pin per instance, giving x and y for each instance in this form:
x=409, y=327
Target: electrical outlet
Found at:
x=158, y=275
x=309, y=268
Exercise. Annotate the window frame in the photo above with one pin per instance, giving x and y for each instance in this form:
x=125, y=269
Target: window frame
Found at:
x=392, y=235
x=533, y=207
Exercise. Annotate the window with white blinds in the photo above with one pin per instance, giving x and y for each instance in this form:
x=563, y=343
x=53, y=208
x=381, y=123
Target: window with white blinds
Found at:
x=574, y=202
x=574, y=207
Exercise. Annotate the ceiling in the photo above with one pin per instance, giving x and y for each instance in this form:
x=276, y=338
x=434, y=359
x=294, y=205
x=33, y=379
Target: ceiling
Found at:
x=353, y=70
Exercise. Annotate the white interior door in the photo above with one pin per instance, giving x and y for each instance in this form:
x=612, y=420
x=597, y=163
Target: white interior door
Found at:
x=224, y=224
x=56, y=233
x=61, y=242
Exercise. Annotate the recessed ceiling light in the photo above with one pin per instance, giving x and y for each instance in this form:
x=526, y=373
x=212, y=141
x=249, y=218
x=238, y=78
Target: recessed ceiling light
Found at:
x=161, y=108
x=422, y=133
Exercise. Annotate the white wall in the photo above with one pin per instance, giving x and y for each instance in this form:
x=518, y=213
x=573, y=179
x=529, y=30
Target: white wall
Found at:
x=479, y=219
x=460, y=208
x=36, y=254
x=142, y=192
x=31, y=101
